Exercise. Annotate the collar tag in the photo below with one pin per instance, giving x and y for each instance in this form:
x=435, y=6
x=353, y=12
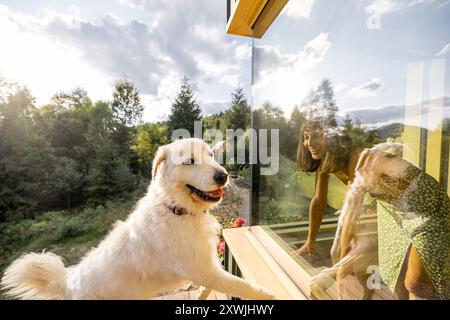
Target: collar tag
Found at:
x=177, y=210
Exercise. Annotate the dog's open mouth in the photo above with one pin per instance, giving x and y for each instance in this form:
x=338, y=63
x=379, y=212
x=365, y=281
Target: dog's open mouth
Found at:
x=212, y=196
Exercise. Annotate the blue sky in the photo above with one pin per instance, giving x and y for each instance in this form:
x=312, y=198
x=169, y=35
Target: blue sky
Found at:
x=368, y=63
x=51, y=46
x=56, y=45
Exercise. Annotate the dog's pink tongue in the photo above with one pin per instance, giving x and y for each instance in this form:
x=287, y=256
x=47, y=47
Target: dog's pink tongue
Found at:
x=216, y=193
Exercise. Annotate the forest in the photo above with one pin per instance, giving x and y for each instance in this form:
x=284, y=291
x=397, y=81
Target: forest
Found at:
x=72, y=167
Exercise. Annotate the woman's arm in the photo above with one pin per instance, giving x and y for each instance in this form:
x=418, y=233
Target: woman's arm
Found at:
x=316, y=212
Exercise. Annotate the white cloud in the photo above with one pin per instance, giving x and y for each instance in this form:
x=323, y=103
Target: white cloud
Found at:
x=271, y=60
x=381, y=7
x=366, y=90
x=158, y=105
x=243, y=52
x=57, y=51
x=444, y=4
x=282, y=77
x=43, y=64
x=316, y=49
x=214, y=106
x=299, y=8
x=416, y=2
x=445, y=50
x=339, y=87
x=224, y=70
x=231, y=80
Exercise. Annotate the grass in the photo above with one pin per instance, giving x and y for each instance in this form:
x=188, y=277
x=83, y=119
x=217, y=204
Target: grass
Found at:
x=285, y=196
x=69, y=234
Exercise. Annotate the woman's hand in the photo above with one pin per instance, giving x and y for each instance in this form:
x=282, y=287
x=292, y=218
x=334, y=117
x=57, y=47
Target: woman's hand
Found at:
x=316, y=212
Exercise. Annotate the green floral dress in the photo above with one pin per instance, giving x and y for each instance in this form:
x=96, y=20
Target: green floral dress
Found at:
x=417, y=213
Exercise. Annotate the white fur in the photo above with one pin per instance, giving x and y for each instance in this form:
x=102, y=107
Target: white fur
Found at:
x=152, y=251
x=362, y=251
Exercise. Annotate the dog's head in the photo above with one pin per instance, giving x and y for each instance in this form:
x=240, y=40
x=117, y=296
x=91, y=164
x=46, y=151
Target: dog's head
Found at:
x=188, y=173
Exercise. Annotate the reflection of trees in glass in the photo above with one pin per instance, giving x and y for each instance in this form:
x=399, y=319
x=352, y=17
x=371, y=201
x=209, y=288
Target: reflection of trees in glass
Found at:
x=270, y=117
x=357, y=135
x=320, y=107
x=320, y=113
x=295, y=123
x=325, y=98
x=285, y=196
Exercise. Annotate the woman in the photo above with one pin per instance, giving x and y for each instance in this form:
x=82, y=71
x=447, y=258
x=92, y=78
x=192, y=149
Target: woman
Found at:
x=416, y=245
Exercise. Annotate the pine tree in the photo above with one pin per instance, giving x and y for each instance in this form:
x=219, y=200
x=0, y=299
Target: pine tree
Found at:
x=327, y=102
x=240, y=112
x=185, y=110
x=296, y=120
x=319, y=106
x=25, y=158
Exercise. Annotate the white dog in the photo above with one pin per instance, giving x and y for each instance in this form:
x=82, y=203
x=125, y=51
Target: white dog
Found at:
x=169, y=239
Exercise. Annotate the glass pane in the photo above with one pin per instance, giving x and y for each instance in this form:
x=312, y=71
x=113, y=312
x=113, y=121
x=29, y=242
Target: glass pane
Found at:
x=359, y=94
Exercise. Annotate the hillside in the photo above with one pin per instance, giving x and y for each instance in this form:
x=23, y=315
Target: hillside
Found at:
x=392, y=130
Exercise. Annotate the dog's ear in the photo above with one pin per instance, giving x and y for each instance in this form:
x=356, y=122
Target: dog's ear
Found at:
x=160, y=156
x=219, y=146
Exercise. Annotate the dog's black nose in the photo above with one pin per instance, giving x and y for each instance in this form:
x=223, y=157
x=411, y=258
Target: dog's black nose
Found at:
x=220, y=177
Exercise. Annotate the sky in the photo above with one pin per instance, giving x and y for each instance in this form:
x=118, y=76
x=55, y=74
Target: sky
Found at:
x=52, y=46
x=366, y=48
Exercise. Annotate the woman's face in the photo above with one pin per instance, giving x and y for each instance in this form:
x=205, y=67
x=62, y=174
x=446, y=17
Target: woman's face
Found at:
x=315, y=143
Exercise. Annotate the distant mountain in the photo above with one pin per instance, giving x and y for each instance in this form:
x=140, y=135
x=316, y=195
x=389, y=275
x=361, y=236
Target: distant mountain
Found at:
x=379, y=115
x=392, y=130
x=392, y=114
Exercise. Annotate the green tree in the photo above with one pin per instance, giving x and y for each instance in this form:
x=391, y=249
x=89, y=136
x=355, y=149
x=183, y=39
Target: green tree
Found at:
x=238, y=116
x=26, y=158
x=8, y=88
x=147, y=140
x=272, y=117
x=327, y=102
x=185, y=110
x=66, y=178
x=96, y=147
x=213, y=121
x=74, y=99
x=64, y=154
x=107, y=156
x=108, y=176
x=295, y=123
x=319, y=106
x=127, y=112
x=358, y=137
x=126, y=104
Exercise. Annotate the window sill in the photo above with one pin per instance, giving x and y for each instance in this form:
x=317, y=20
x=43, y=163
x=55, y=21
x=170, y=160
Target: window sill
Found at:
x=245, y=249
x=259, y=254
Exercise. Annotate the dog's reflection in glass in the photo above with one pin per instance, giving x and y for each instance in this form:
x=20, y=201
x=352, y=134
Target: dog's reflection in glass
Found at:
x=412, y=240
